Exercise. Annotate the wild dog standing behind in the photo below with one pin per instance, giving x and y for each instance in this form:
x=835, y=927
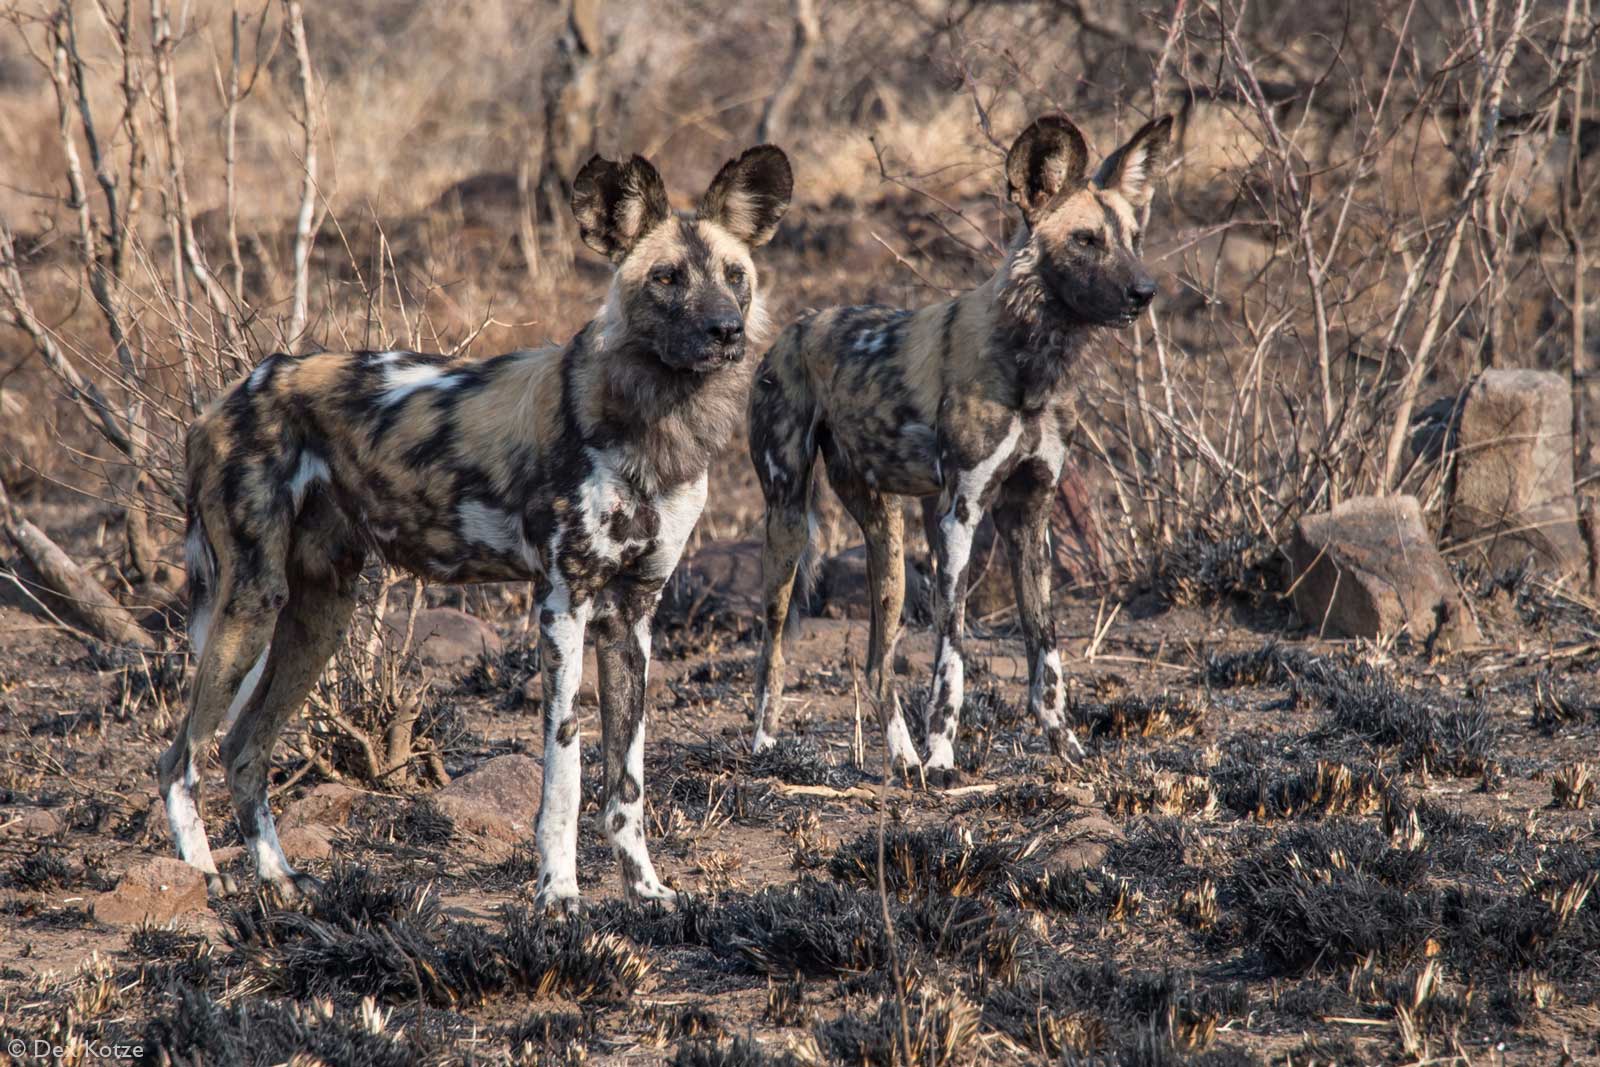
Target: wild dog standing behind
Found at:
x=968, y=399
x=581, y=468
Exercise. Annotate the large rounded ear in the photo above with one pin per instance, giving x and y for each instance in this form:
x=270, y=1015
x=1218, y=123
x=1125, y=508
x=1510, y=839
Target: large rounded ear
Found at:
x=1131, y=169
x=750, y=194
x=617, y=203
x=1046, y=158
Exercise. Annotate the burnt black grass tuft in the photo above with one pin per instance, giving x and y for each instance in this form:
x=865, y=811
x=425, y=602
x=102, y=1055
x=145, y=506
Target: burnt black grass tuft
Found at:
x=800, y=761
x=43, y=869
x=361, y=938
x=937, y=859
x=739, y=1052
x=1203, y=567
x=1427, y=728
x=255, y=1030
x=409, y=823
x=1163, y=715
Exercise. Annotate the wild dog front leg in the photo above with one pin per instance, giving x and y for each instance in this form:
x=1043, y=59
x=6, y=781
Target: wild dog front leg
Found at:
x=1022, y=520
x=952, y=552
x=622, y=649
x=561, y=625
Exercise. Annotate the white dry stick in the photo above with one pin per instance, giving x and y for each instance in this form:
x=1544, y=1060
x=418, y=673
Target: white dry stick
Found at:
x=308, y=167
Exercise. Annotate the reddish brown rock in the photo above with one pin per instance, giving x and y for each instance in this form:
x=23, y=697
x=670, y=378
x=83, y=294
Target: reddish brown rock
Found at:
x=1368, y=568
x=156, y=891
x=728, y=572
x=329, y=804
x=498, y=800
x=301, y=843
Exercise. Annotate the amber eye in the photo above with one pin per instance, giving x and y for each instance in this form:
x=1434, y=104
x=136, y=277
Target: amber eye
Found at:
x=1087, y=238
x=664, y=276
x=735, y=274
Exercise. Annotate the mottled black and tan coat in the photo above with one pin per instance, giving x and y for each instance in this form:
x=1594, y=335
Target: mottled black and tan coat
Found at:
x=967, y=401
x=581, y=468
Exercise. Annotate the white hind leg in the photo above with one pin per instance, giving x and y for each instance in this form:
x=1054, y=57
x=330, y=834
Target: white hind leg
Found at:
x=231, y=630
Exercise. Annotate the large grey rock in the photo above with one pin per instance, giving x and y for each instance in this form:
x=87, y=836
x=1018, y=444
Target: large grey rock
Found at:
x=448, y=637
x=1368, y=568
x=722, y=577
x=1511, y=499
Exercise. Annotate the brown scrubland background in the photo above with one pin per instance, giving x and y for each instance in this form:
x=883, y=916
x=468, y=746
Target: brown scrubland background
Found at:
x=1368, y=204
x=1317, y=852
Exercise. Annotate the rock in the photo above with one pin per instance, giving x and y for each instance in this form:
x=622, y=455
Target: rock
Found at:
x=723, y=576
x=31, y=822
x=301, y=843
x=329, y=804
x=1511, y=500
x=1088, y=841
x=1368, y=568
x=157, y=891
x=447, y=637
x=499, y=800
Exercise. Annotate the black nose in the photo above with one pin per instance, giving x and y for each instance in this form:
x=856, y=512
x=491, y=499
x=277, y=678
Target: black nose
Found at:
x=725, y=331
x=1140, y=293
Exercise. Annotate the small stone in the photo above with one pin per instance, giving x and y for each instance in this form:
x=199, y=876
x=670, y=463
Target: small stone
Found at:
x=301, y=843
x=329, y=804
x=1089, y=839
x=1368, y=568
x=31, y=822
x=155, y=891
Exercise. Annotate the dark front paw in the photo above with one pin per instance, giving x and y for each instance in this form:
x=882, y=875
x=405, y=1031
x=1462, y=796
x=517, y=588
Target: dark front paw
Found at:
x=221, y=885
x=1064, y=743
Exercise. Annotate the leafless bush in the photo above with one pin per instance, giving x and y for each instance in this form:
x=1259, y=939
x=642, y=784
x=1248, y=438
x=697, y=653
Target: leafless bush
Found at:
x=368, y=718
x=1367, y=207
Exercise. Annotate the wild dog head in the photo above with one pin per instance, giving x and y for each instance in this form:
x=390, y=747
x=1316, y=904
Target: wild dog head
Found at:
x=684, y=292
x=1080, y=262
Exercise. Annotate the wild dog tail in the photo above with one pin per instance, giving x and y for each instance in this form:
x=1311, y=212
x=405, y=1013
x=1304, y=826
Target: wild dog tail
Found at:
x=201, y=568
x=784, y=418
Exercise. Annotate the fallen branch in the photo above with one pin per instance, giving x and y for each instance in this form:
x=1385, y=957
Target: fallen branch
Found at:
x=98, y=610
x=854, y=792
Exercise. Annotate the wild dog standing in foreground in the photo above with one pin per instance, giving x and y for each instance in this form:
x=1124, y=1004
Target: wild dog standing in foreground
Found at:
x=581, y=468
x=968, y=399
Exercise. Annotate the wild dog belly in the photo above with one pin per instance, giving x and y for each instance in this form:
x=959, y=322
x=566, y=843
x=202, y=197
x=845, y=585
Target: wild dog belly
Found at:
x=889, y=458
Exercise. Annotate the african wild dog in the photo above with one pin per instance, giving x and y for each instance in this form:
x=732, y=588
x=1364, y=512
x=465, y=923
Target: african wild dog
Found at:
x=968, y=399
x=581, y=468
